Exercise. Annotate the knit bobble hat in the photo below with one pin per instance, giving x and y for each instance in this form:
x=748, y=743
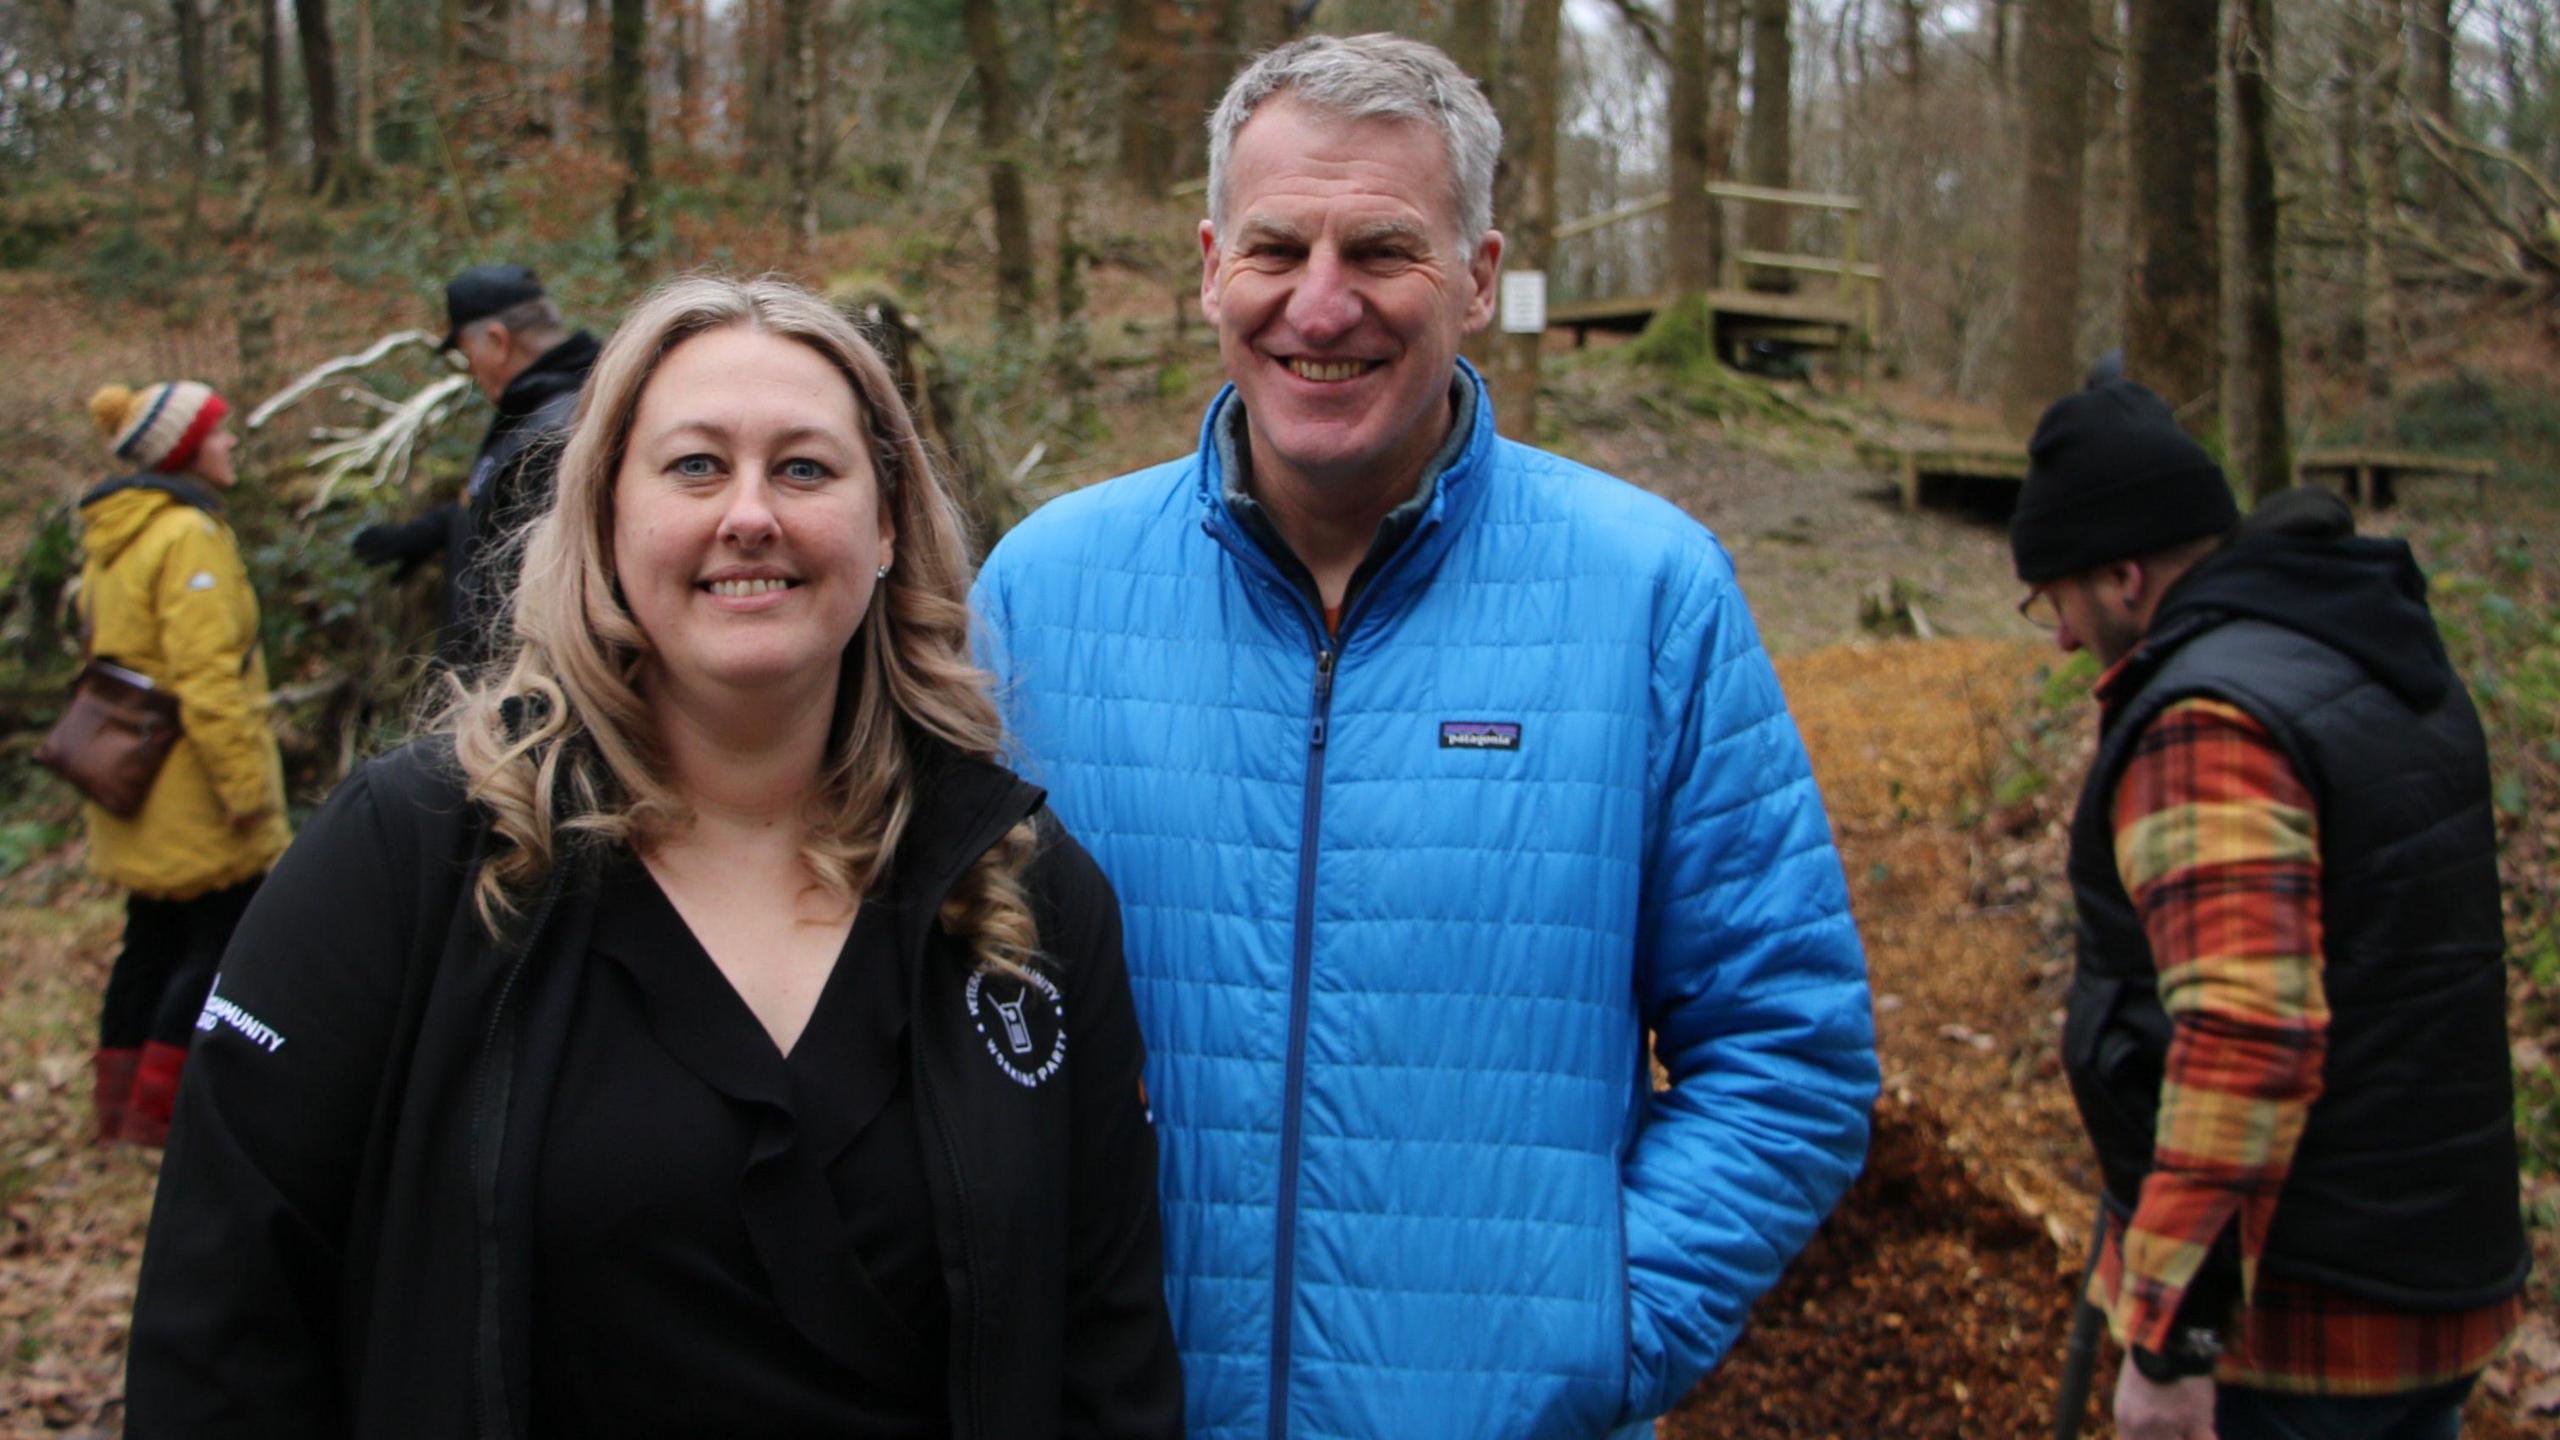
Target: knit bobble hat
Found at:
x=2111, y=476
x=160, y=427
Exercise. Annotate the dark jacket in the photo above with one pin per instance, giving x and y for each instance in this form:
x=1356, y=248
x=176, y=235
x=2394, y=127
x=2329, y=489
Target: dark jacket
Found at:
x=510, y=483
x=2403, y=1188
x=341, y=1241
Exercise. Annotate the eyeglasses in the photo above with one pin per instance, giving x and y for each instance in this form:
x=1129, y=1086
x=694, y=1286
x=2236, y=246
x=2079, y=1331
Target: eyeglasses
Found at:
x=2039, y=609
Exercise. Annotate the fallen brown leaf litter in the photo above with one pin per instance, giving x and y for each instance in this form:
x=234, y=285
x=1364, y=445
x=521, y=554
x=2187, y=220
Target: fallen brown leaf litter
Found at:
x=1935, y=1303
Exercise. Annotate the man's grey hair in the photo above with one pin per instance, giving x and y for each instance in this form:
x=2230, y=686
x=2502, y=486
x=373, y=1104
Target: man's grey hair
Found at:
x=1371, y=77
x=528, y=320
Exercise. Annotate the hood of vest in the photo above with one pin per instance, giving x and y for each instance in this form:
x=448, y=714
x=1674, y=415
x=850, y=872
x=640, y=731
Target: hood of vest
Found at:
x=2361, y=596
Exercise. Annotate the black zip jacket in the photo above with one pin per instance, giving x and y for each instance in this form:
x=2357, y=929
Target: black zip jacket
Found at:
x=341, y=1244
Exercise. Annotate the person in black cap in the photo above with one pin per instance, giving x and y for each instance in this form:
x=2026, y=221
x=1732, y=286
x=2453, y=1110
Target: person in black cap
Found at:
x=503, y=330
x=2286, y=1032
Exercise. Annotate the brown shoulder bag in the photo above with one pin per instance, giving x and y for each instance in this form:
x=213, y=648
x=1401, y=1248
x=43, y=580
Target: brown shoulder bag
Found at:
x=113, y=740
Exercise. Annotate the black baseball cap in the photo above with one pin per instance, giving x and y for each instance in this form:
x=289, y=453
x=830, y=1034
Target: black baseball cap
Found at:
x=483, y=291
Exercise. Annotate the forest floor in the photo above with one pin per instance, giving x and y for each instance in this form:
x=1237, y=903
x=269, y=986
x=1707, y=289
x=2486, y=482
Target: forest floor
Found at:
x=1934, y=1304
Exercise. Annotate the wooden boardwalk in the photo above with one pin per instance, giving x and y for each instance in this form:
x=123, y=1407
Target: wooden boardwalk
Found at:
x=2370, y=476
x=1830, y=303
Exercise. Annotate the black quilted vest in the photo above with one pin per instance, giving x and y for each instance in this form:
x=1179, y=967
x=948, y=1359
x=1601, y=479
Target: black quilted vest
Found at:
x=2404, y=1188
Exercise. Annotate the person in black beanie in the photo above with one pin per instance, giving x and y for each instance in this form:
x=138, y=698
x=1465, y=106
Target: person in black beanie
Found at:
x=508, y=335
x=2289, y=996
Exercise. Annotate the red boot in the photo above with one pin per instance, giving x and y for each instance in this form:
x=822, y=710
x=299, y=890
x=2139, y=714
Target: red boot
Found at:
x=155, y=1094
x=112, y=1092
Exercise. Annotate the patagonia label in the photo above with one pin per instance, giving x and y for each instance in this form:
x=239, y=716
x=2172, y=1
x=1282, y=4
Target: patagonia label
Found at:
x=1479, y=735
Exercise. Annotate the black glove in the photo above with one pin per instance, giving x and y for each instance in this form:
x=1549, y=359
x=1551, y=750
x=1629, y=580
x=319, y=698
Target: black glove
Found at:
x=403, y=545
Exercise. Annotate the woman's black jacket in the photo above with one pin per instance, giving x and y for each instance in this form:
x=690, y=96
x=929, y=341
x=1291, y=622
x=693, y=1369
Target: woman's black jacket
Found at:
x=341, y=1241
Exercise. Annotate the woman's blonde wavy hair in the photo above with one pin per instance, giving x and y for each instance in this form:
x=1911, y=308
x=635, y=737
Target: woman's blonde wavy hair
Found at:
x=575, y=752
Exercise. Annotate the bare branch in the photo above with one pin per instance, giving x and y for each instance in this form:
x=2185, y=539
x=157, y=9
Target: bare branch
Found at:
x=2440, y=141
x=1648, y=27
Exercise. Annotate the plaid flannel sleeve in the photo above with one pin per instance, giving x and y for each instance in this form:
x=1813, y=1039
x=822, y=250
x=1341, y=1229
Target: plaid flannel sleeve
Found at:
x=2218, y=846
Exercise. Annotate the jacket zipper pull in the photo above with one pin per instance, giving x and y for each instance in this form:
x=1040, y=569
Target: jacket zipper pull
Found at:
x=1324, y=695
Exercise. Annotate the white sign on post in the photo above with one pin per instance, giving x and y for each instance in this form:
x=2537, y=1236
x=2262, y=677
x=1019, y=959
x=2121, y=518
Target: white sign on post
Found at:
x=1524, y=302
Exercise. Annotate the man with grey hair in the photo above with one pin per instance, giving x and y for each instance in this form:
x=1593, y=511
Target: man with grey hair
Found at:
x=1445, y=786
x=503, y=331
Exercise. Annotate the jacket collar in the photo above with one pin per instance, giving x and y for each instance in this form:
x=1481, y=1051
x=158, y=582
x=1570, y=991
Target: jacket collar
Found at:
x=963, y=806
x=185, y=489
x=561, y=368
x=1412, y=540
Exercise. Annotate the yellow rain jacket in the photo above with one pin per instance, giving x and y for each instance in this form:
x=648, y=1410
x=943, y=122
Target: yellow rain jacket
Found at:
x=163, y=592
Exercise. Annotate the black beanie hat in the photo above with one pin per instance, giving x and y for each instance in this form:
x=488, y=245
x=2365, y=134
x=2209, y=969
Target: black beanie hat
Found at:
x=2111, y=476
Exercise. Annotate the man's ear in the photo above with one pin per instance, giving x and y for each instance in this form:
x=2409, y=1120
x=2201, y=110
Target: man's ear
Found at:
x=1485, y=268
x=1209, y=272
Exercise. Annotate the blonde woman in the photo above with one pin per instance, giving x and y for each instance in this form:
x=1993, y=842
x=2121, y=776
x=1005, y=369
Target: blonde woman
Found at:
x=700, y=1035
x=163, y=594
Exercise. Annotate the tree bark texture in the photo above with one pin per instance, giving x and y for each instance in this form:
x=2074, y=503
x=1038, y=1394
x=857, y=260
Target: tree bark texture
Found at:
x=1766, y=141
x=2172, y=296
x=2431, y=42
x=1070, y=354
x=1694, y=238
x=1529, y=143
x=2054, y=62
x=271, y=83
x=628, y=96
x=2345, y=114
x=997, y=133
x=2381, y=26
x=1150, y=69
x=365, y=96
x=195, y=85
x=2259, y=446
x=800, y=54
x=238, y=21
x=320, y=84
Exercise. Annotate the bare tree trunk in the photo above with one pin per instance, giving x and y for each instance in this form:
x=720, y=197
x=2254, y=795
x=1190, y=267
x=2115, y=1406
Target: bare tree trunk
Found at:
x=2054, y=61
x=238, y=20
x=271, y=84
x=2172, y=298
x=1766, y=140
x=2253, y=409
x=2432, y=30
x=800, y=53
x=1530, y=233
x=320, y=83
x=997, y=132
x=1149, y=71
x=193, y=82
x=1995, y=22
x=595, y=54
x=1475, y=42
x=2346, y=167
x=1070, y=356
x=1914, y=41
x=627, y=78
x=689, y=40
x=2382, y=20
x=366, y=154
x=1697, y=249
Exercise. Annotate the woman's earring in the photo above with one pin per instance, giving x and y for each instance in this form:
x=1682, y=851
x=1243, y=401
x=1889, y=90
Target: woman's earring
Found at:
x=881, y=574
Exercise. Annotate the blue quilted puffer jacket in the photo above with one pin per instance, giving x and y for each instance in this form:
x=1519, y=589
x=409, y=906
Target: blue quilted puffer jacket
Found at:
x=1401, y=908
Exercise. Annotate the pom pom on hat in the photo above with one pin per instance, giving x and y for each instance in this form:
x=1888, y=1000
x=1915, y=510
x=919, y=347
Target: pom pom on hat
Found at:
x=160, y=427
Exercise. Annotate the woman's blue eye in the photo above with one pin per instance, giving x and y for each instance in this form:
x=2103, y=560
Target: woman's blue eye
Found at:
x=696, y=467
x=803, y=470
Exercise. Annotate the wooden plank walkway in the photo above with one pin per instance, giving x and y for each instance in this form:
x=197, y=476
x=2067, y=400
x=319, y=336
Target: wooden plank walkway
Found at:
x=1996, y=458
x=2368, y=475
x=1740, y=314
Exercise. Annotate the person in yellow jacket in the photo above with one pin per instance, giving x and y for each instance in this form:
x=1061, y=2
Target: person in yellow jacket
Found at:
x=163, y=593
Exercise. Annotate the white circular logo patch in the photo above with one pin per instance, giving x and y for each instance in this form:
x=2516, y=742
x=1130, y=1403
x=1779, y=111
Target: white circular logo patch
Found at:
x=1022, y=1023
